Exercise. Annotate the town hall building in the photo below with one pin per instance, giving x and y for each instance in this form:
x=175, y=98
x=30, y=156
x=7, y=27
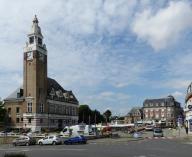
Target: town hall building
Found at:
x=40, y=103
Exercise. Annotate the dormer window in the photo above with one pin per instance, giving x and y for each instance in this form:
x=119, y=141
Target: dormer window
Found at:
x=31, y=40
x=39, y=41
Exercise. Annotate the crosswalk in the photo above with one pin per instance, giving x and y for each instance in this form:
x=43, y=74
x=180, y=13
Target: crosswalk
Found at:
x=169, y=137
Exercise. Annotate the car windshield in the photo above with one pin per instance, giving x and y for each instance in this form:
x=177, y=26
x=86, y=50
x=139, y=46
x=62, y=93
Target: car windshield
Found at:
x=158, y=131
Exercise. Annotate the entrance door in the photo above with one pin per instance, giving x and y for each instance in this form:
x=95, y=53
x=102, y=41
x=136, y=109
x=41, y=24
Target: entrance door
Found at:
x=60, y=124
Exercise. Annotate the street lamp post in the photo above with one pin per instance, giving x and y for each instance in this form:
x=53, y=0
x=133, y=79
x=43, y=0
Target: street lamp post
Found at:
x=48, y=117
x=166, y=113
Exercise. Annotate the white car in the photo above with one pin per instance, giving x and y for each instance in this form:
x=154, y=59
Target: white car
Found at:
x=149, y=128
x=2, y=133
x=50, y=140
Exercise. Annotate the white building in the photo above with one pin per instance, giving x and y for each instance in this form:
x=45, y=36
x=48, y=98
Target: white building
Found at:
x=188, y=108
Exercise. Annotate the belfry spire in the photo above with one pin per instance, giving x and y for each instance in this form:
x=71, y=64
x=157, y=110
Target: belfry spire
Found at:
x=35, y=20
x=35, y=29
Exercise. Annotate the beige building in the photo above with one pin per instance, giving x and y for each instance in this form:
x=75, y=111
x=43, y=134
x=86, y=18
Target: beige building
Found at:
x=40, y=102
x=163, y=110
x=188, y=108
x=135, y=115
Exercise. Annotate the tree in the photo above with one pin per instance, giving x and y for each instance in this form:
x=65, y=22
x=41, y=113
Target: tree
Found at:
x=84, y=114
x=2, y=112
x=107, y=115
x=88, y=116
x=97, y=117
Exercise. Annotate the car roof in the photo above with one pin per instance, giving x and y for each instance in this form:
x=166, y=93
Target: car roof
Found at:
x=157, y=129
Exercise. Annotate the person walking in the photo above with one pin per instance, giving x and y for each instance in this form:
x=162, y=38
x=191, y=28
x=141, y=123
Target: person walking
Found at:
x=186, y=129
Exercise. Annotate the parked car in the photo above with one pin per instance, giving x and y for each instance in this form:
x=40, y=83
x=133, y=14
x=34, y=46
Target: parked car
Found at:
x=2, y=133
x=53, y=139
x=149, y=127
x=24, y=141
x=76, y=140
x=137, y=135
x=7, y=133
x=157, y=132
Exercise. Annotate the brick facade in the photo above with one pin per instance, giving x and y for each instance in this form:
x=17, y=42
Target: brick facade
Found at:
x=165, y=110
x=41, y=102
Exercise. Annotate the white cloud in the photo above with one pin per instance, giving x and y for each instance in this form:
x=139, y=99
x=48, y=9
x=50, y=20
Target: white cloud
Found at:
x=177, y=94
x=163, y=28
x=73, y=30
x=117, y=102
x=178, y=71
x=177, y=84
x=179, y=65
x=79, y=57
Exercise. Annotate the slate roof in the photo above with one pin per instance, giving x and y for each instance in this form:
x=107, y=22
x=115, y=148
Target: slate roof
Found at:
x=167, y=100
x=189, y=93
x=134, y=110
x=14, y=95
x=57, y=92
x=54, y=91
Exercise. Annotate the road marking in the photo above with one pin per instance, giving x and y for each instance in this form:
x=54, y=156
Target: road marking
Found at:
x=159, y=138
x=65, y=149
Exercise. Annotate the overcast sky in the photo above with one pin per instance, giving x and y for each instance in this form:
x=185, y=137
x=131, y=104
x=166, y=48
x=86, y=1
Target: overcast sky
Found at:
x=112, y=54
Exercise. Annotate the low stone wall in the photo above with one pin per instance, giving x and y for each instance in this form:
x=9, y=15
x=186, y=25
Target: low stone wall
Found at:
x=7, y=139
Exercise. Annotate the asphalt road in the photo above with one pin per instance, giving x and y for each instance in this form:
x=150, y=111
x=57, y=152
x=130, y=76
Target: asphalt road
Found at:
x=142, y=148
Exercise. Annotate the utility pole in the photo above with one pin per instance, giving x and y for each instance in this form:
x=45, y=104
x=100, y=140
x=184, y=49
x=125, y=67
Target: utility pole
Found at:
x=166, y=113
x=48, y=117
x=89, y=120
x=95, y=124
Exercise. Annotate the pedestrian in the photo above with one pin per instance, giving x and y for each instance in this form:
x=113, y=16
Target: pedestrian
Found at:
x=186, y=129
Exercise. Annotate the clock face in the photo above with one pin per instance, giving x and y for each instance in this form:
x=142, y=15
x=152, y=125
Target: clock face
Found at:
x=29, y=55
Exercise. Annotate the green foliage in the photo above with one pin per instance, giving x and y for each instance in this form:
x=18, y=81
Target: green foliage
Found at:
x=2, y=112
x=88, y=116
x=84, y=114
x=107, y=115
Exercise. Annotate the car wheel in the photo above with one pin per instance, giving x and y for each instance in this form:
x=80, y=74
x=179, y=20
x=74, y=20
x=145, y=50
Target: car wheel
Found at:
x=40, y=143
x=27, y=144
x=54, y=143
x=84, y=142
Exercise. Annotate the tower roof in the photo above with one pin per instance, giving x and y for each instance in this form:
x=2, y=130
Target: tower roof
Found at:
x=35, y=29
x=35, y=20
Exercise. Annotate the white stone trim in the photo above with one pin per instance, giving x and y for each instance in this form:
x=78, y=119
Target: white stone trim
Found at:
x=35, y=120
x=46, y=115
x=34, y=47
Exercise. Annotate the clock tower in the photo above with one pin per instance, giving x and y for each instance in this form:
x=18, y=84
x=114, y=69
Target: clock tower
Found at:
x=35, y=71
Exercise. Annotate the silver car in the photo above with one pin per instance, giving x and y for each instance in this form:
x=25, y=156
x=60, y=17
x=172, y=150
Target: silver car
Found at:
x=50, y=140
x=157, y=132
x=24, y=141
